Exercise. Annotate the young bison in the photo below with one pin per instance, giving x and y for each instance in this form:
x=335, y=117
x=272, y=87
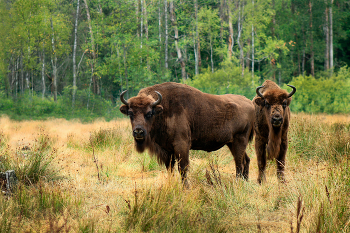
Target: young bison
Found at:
x=272, y=116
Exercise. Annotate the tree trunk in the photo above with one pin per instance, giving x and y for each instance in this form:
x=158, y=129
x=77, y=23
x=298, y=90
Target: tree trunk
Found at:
x=94, y=81
x=159, y=24
x=176, y=31
x=54, y=64
x=326, y=32
x=166, y=33
x=273, y=61
x=146, y=28
x=21, y=88
x=240, y=29
x=230, y=26
x=141, y=30
x=211, y=57
x=43, y=71
x=331, y=38
x=196, y=39
x=252, y=52
x=125, y=71
x=74, y=55
x=311, y=42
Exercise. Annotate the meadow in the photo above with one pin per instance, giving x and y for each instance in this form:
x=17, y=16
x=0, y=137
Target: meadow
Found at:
x=87, y=177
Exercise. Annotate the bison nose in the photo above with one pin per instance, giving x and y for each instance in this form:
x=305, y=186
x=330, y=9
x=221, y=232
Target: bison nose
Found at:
x=139, y=133
x=277, y=120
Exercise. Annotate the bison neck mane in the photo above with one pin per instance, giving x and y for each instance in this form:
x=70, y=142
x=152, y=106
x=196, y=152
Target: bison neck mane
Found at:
x=153, y=148
x=274, y=143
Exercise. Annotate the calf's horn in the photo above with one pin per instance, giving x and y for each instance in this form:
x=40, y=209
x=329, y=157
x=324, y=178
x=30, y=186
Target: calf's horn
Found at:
x=258, y=92
x=122, y=97
x=158, y=100
x=292, y=92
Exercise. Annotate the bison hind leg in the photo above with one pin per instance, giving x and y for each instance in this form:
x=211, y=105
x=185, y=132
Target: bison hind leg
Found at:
x=238, y=150
x=246, y=163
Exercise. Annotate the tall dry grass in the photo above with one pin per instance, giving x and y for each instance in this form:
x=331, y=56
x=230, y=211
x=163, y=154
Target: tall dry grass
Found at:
x=88, y=178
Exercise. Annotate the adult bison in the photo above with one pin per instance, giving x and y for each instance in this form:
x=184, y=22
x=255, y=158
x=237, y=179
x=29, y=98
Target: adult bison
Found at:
x=169, y=119
x=272, y=115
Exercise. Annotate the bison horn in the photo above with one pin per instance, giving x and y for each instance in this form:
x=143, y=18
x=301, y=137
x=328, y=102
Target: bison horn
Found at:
x=158, y=100
x=122, y=97
x=292, y=92
x=258, y=91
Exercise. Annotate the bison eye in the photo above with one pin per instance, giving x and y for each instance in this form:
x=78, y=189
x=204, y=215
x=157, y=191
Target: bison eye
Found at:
x=267, y=105
x=149, y=115
x=284, y=105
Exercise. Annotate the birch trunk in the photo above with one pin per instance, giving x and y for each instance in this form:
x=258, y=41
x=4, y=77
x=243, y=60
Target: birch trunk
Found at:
x=125, y=71
x=211, y=57
x=253, y=44
x=159, y=23
x=331, y=38
x=240, y=29
x=176, y=31
x=43, y=71
x=54, y=63
x=196, y=51
x=230, y=26
x=96, y=87
x=74, y=55
x=166, y=33
x=326, y=32
x=311, y=42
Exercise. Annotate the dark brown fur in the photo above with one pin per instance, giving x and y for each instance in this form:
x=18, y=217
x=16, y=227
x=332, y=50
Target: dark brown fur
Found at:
x=188, y=119
x=273, y=139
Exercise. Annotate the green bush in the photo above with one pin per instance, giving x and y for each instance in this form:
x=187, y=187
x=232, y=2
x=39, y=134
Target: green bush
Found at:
x=228, y=80
x=323, y=94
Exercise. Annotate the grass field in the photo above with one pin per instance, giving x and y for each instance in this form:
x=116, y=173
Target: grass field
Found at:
x=76, y=177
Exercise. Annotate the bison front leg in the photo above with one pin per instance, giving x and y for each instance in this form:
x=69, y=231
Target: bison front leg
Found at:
x=281, y=160
x=181, y=151
x=260, y=150
x=170, y=162
x=238, y=148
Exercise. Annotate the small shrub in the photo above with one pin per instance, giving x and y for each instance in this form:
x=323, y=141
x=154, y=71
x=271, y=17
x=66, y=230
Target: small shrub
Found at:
x=103, y=138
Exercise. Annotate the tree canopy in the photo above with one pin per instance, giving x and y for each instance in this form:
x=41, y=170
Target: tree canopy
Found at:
x=218, y=46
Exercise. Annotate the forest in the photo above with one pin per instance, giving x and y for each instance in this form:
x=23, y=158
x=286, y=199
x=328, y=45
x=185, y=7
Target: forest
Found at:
x=72, y=58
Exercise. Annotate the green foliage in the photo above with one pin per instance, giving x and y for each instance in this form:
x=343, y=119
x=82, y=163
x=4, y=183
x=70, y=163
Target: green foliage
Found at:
x=87, y=108
x=324, y=94
x=228, y=80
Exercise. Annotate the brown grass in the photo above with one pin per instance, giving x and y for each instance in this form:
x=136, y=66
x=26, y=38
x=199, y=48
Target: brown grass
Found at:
x=103, y=204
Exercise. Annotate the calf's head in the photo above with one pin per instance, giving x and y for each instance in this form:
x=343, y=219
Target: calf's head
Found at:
x=141, y=110
x=274, y=102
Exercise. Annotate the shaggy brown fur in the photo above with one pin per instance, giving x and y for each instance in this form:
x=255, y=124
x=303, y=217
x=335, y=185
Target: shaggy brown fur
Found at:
x=188, y=119
x=271, y=134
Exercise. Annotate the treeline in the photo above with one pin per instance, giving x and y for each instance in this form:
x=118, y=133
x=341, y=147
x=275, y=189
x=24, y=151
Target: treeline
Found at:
x=72, y=58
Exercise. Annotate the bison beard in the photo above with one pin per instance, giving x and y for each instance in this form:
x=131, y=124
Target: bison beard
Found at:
x=272, y=116
x=173, y=118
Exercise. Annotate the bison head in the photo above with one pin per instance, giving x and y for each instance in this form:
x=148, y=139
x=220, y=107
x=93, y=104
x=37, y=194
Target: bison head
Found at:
x=141, y=110
x=274, y=103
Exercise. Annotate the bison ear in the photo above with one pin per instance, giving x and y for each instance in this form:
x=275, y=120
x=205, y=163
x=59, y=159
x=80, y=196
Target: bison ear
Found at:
x=158, y=109
x=260, y=101
x=289, y=100
x=124, y=109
